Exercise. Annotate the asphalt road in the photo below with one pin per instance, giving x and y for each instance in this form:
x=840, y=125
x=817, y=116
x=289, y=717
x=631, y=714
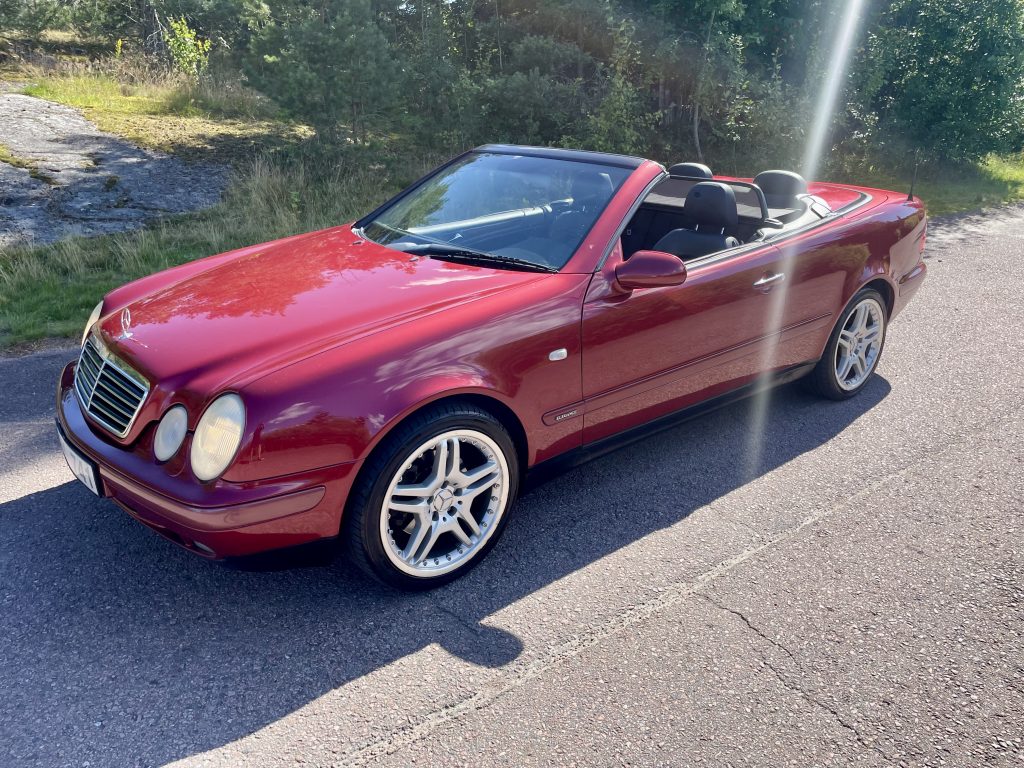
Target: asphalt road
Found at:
x=856, y=597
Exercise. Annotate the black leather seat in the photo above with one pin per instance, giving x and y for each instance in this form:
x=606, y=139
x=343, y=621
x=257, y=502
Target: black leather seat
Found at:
x=590, y=189
x=781, y=188
x=590, y=192
x=693, y=170
x=711, y=207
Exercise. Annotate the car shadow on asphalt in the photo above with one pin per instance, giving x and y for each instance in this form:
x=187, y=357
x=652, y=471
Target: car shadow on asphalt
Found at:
x=121, y=649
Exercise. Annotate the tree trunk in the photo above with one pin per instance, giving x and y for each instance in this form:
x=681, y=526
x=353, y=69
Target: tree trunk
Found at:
x=696, y=131
x=497, y=19
x=697, y=89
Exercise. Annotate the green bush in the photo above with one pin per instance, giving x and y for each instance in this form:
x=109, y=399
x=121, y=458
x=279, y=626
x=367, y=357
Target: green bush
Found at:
x=945, y=76
x=733, y=79
x=329, y=65
x=32, y=17
x=190, y=53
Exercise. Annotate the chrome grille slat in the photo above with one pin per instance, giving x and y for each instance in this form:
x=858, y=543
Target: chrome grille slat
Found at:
x=98, y=395
x=126, y=402
x=117, y=385
x=112, y=419
x=109, y=390
x=90, y=368
x=91, y=354
x=126, y=384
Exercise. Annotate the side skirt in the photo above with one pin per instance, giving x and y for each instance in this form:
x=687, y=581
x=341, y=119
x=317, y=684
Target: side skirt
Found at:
x=547, y=470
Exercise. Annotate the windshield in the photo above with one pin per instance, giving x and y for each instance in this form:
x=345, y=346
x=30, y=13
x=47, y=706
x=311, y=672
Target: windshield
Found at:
x=526, y=209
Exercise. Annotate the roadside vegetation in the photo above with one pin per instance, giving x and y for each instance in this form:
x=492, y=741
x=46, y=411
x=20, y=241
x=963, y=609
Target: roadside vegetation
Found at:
x=45, y=291
x=323, y=109
x=210, y=119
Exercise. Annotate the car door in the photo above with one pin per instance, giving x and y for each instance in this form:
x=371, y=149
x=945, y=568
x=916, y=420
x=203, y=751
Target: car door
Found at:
x=648, y=352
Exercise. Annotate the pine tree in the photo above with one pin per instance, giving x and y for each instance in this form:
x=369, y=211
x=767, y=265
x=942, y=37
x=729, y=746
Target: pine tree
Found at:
x=326, y=63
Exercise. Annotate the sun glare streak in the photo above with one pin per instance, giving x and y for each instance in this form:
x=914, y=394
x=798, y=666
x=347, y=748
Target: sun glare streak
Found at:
x=831, y=88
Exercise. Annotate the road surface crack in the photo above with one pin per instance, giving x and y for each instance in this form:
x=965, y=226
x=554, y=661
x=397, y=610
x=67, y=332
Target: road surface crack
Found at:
x=791, y=685
x=750, y=625
x=815, y=701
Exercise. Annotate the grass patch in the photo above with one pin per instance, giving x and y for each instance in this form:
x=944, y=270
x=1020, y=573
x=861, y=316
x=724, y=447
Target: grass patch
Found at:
x=996, y=180
x=7, y=156
x=54, y=44
x=208, y=121
x=48, y=291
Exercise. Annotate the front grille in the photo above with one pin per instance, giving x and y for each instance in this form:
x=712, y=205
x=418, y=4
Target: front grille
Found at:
x=109, y=390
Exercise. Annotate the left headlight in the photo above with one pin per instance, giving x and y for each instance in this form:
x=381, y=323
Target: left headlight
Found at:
x=217, y=437
x=92, y=321
x=170, y=433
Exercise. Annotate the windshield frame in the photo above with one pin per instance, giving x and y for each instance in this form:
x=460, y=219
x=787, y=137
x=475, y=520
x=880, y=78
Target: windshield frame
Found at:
x=622, y=162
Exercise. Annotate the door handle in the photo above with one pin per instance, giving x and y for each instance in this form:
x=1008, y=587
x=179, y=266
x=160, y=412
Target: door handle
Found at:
x=766, y=282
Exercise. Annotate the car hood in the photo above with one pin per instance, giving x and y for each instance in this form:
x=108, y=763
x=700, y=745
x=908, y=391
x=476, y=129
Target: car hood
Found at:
x=269, y=306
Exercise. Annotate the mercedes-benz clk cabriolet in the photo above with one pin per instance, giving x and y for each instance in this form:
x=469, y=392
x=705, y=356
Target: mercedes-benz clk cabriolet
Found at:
x=391, y=383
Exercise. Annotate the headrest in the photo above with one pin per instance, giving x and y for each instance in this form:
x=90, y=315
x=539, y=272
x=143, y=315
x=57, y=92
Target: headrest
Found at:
x=711, y=203
x=693, y=170
x=781, y=183
x=591, y=185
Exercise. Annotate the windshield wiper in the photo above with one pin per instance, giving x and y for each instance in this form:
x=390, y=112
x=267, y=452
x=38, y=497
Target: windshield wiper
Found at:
x=443, y=250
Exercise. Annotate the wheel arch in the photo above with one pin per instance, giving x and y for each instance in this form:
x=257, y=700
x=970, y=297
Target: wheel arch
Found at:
x=502, y=412
x=881, y=285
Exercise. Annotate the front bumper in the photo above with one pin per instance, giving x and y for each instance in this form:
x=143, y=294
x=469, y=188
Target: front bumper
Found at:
x=223, y=520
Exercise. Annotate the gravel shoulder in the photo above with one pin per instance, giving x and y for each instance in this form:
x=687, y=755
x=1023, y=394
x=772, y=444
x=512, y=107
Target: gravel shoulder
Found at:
x=78, y=180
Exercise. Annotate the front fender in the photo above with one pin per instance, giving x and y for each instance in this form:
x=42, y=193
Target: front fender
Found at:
x=335, y=406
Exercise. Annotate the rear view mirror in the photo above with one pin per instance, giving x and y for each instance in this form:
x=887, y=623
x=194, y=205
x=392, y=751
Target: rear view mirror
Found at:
x=650, y=269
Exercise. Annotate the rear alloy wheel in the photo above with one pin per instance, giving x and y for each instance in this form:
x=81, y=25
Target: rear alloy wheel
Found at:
x=853, y=349
x=859, y=344
x=438, y=501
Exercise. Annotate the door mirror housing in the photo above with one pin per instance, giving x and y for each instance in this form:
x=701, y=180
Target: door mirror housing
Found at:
x=650, y=269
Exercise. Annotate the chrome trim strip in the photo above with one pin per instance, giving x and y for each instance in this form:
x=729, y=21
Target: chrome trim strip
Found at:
x=739, y=250
x=714, y=258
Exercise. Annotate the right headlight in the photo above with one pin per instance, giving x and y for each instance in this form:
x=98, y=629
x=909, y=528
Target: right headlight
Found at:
x=92, y=321
x=217, y=437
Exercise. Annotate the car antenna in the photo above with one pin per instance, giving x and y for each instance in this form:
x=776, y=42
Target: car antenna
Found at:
x=913, y=180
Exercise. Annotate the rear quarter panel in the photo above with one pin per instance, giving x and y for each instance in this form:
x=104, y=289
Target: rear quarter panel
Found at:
x=879, y=241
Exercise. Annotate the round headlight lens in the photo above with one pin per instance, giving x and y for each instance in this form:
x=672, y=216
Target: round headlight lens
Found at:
x=92, y=321
x=217, y=437
x=170, y=433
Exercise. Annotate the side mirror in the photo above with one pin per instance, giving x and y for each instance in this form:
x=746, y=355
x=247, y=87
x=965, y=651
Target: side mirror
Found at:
x=650, y=269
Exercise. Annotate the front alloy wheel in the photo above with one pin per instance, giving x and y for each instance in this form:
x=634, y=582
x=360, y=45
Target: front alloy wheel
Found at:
x=444, y=503
x=433, y=498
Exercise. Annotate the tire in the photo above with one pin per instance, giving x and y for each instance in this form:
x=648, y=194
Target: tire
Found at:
x=827, y=379
x=433, y=497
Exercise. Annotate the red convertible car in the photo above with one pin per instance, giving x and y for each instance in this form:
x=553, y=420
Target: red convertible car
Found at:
x=391, y=382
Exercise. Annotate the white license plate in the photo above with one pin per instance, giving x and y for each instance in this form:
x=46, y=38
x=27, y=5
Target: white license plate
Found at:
x=84, y=469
